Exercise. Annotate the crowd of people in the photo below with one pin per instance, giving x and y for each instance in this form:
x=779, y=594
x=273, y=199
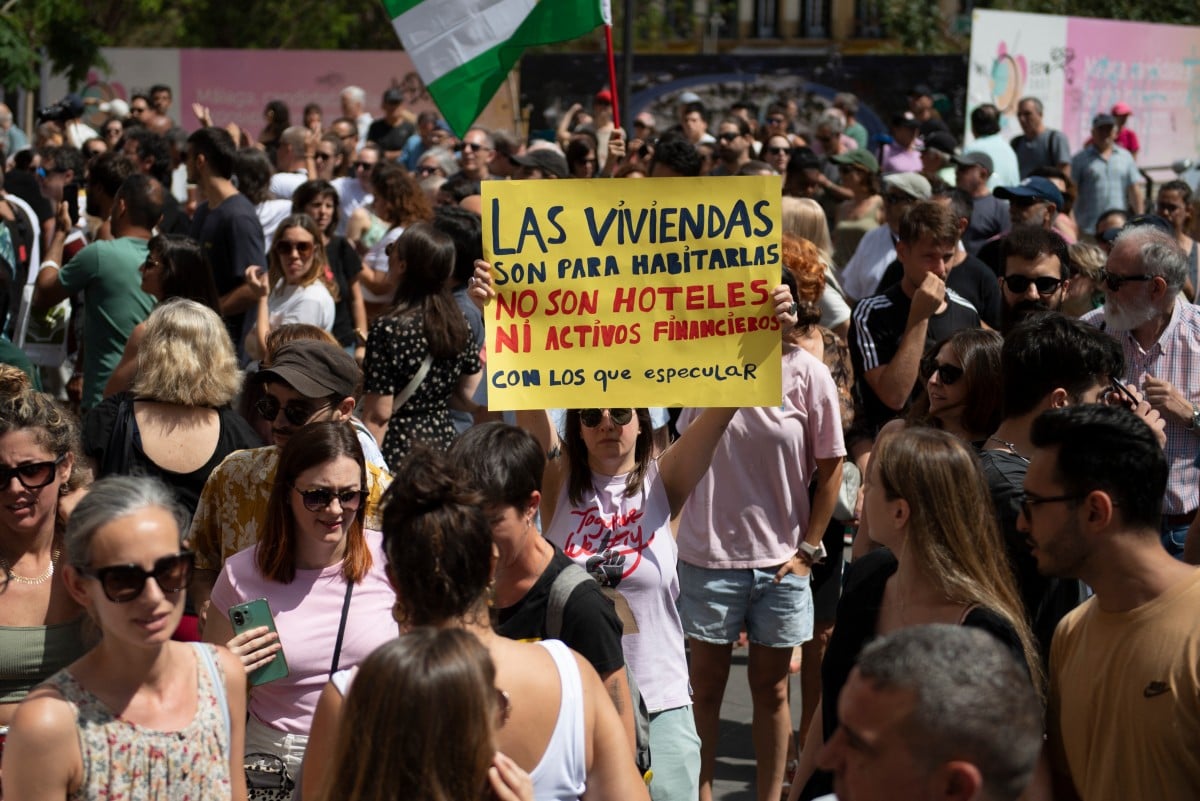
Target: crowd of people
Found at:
x=262, y=537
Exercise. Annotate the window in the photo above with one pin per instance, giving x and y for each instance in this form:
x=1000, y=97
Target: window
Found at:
x=815, y=21
x=868, y=19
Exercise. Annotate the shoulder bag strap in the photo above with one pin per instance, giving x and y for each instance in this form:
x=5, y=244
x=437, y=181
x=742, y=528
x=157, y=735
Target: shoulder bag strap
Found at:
x=413, y=385
x=560, y=590
x=210, y=663
x=337, y=646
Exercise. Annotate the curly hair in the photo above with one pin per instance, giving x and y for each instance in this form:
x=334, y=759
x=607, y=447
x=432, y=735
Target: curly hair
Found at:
x=405, y=202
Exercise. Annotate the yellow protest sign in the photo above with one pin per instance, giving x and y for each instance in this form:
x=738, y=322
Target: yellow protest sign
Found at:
x=633, y=292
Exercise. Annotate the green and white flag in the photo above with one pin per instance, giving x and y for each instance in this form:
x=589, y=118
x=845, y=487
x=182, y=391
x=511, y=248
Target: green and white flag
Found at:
x=463, y=49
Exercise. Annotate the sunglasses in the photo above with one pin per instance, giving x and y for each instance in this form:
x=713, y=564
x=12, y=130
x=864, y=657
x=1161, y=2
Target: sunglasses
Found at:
x=427, y=171
x=317, y=500
x=948, y=374
x=285, y=247
x=91, y=154
x=898, y=200
x=31, y=476
x=322, y=156
x=295, y=412
x=124, y=583
x=362, y=165
x=1019, y=284
x=1115, y=282
x=472, y=146
x=1118, y=394
x=727, y=137
x=592, y=417
x=779, y=151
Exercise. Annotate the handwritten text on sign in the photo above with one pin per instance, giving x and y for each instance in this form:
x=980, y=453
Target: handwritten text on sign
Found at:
x=652, y=292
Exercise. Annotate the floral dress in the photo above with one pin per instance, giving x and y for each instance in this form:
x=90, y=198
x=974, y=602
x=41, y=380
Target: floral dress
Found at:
x=123, y=761
x=396, y=347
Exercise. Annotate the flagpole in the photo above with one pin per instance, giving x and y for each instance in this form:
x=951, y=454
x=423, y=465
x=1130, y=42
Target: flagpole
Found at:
x=612, y=74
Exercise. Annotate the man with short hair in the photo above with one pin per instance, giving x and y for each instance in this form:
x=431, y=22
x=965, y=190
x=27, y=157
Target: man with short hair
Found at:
x=694, y=124
x=890, y=333
x=877, y=248
x=1105, y=175
x=1160, y=334
x=1049, y=361
x=226, y=224
x=160, y=99
x=989, y=215
x=107, y=272
x=733, y=146
x=420, y=141
x=355, y=190
x=985, y=128
x=307, y=381
x=674, y=157
x=291, y=161
x=392, y=130
x=1036, y=273
x=346, y=129
x=937, y=159
x=354, y=107
x=477, y=151
x=935, y=712
x=1038, y=146
x=1123, y=717
x=152, y=156
x=140, y=109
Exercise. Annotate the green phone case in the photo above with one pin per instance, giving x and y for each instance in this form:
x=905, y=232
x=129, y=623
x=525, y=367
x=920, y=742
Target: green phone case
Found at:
x=253, y=614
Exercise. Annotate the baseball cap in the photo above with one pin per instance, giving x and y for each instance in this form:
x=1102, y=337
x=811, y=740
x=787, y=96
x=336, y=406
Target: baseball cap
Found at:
x=315, y=369
x=975, y=159
x=544, y=159
x=858, y=158
x=393, y=95
x=689, y=97
x=942, y=142
x=912, y=184
x=1035, y=188
x=1101, y=120
x=905, y=120
x=1121, y=109
x=1151, y=221
x=604, y=97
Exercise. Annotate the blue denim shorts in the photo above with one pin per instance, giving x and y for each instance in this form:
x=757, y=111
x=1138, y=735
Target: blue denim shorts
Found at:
x=715, y=605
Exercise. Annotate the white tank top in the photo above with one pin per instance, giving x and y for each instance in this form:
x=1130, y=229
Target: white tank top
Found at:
x=561, y=775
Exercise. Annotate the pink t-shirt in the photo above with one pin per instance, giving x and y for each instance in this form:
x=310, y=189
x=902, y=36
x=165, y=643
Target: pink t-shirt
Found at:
x=307, y=613
x=751, y=508
x=609, y=526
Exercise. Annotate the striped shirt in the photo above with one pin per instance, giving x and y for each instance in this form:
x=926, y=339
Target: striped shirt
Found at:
x=1174, y=358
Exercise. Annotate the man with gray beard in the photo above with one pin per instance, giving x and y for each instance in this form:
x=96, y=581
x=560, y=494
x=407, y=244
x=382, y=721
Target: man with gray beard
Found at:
x=1160, y=334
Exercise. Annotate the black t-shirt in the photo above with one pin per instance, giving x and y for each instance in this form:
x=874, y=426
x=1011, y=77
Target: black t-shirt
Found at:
x=345, y=264
x=1046, y=600
x=876, y=328
x=232, y=239
x=235, y=434
x=989, y=217
x=590, y=624
x=972, y=279
x=174, y=219
x=857, y=619
x=390, y=137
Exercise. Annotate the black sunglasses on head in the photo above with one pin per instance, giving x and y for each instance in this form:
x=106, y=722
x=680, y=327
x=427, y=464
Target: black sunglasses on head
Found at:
x=124, y=583
x=34, y=475
x=1019, y=284
x=592, y=417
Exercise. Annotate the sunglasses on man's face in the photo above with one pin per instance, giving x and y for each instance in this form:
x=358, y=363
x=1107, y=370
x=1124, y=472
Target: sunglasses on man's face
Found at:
x=1019, y=284
x=295, y=412
x=124, y=583
x=778, y=151
x=34, y=475
x=320, y=499
x=1115, y=282
x=592, y=417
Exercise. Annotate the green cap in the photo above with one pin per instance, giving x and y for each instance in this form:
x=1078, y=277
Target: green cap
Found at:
x=858, y=158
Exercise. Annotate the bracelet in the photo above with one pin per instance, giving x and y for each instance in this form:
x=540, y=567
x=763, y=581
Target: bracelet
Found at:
x=50, y=263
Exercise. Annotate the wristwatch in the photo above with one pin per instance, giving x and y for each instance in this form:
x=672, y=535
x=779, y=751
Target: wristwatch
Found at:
x=815, y=553
x=1195, y=424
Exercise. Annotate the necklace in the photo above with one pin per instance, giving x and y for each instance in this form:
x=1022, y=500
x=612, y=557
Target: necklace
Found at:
x=42, y=579
x=1010, y=446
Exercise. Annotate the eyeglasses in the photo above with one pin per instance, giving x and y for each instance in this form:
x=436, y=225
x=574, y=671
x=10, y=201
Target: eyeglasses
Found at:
x=1115, y=282
x=285, y=247
x=948, y=374
x=779, y=151
x=124, y=583
x=31, y=476
x=317, y=500
x=295, y=412
x=592, y=417
x=1019, y=284
x=318, y=156
x=472, y=146
x=727, y=137
x=1118, y=394
x=427, y=170
x=1029, y=500
x=362, y=165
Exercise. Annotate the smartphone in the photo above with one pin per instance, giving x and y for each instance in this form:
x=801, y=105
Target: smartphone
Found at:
x=253, y=614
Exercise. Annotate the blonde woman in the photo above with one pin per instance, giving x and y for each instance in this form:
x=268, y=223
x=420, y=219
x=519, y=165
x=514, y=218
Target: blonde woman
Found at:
x=804, y=218
x=297, y=287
